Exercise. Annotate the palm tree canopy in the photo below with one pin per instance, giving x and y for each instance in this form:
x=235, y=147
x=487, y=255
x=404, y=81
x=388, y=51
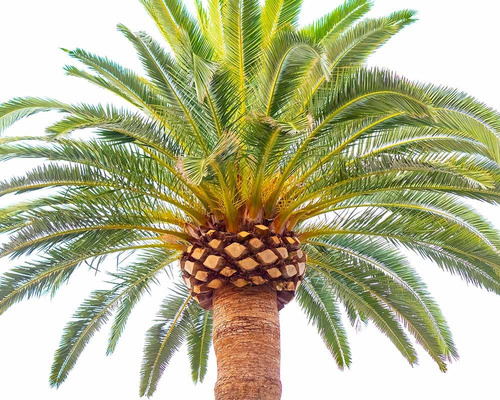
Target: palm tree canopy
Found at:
x=243, y=115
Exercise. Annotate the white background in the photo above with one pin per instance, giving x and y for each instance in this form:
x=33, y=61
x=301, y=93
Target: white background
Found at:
x=455, y=43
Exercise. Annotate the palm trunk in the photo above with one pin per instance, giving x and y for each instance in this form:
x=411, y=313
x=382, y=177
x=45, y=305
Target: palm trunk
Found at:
x=247, y=343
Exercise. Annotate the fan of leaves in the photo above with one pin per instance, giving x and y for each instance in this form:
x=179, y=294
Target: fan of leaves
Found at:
x=249, y=117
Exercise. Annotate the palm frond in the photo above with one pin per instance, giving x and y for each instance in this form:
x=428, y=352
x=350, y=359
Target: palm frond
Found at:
x=358, y=296
x=37, y=278
x=278, y=15
x=199, y=341
x=405, y=293
x=19, y=108
x=216, y=12
x=96, y=311
x=164, y=338
x=337, y=21
x=318, y=303
x=242, y=34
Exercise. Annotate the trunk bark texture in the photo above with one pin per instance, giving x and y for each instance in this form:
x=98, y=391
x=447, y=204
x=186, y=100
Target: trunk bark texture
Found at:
x=247, y=343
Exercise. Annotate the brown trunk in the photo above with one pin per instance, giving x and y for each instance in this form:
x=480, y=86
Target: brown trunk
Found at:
x=247, y=343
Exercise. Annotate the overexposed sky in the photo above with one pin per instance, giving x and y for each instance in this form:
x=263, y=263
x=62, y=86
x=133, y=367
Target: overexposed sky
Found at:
x=455, y=43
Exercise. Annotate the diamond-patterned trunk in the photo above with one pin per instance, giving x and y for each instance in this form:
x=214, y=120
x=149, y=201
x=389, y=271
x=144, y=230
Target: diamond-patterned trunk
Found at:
x=256, y=256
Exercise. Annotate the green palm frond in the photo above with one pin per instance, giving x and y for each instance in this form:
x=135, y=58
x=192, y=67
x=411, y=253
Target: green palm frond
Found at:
x=95, y=311
x=121, y=81
x=199, y=341
x=352, y=48
x=46, y=275
x=242, y=35
x=278, y=15
x=404, y=291
x=359, y=296
x=164, y=338
x=146, y=269
x=286, y=61
x=179, y=96
x=320, y=306
x=215, y=34
x=474, y=258
x=337, y=21
x=19, y=108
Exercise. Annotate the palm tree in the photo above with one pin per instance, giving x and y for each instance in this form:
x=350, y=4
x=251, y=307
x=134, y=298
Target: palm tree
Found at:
x=251, y=149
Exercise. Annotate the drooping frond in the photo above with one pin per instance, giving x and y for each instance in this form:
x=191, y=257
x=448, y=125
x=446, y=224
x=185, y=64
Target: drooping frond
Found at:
x=164, y=338
x=362, y=260
x=199, y=341
x=320, y=306
x=95, y=311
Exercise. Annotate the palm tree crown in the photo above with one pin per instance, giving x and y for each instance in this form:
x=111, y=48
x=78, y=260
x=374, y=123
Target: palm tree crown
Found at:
x=249, y=118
